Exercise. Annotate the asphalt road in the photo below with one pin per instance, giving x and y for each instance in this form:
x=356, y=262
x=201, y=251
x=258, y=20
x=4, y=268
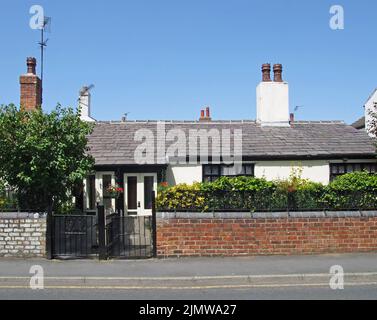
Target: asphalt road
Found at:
x=246, y=278
x=294, y=293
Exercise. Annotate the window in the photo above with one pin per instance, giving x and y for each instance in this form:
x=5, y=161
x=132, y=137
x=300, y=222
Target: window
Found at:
x=148, y=189
x=338, y=169
x=91, y=192
x=211, y=172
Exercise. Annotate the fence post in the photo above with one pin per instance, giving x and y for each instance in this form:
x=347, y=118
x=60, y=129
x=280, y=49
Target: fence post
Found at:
x=154, y=225
x=288, y=201
x=49, y=234
x=102, y=250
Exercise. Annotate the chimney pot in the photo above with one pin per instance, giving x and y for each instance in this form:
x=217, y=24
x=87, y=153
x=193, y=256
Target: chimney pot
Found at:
x=278, y=70
x=266, y=72
x=31, y=64
x=207, y=113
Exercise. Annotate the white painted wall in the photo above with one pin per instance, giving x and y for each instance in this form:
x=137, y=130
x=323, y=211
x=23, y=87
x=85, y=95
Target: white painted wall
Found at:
x=315, y=170
x=273, y=104
x=370, y=106
x=176, y=174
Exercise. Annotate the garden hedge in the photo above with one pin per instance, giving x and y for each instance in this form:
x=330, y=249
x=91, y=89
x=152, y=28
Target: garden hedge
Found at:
x=353, y=191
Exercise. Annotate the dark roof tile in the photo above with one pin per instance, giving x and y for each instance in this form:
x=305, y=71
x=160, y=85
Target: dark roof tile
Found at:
x=113, y=142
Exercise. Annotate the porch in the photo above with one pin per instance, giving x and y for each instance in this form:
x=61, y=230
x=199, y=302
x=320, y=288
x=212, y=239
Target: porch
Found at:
x=137, y=183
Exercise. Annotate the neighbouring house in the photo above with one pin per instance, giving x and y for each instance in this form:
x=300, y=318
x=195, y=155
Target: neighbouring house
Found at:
x=137, y=155
x=369, y=107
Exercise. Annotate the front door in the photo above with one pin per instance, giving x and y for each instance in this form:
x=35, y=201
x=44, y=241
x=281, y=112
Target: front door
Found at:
x=138, y=188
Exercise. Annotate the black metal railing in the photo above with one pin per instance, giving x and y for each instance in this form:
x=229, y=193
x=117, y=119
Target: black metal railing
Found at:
x=273, y=200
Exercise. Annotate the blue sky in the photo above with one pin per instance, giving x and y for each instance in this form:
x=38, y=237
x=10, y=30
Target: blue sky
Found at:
x=167, y=59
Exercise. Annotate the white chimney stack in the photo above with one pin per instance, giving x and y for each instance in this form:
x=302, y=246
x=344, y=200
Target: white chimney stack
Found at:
x=84, y=104
x=273, y=98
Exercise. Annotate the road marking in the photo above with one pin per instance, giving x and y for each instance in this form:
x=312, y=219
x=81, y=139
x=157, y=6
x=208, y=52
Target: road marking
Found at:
x=269, y=276
x=192, y=287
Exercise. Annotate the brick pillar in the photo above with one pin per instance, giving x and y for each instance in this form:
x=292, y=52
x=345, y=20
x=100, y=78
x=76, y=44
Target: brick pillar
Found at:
x=31, y=88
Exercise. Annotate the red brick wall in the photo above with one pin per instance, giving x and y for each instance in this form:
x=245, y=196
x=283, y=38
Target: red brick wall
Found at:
x=282, y=236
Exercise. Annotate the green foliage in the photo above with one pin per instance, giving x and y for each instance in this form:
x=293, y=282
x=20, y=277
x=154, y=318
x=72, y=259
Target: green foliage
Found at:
x=352, y=191
x=238, y=184
x=8, y=203
x=302, y=193
x=357, y=189
x=43, y=155
x=67, y=208
x=354, y=181
x=182, y=196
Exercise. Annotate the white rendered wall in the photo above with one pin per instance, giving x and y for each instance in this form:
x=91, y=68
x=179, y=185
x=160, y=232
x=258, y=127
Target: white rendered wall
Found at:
x=176, y=174
x=316, y=170
x=273, y=104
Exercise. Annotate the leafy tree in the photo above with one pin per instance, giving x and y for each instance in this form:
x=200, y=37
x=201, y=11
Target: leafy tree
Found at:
x=43, y=155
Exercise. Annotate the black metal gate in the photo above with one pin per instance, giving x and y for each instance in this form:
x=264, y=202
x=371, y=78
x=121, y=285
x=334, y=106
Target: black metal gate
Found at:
x=113, y=236
x=74, y=236
x=129, y=237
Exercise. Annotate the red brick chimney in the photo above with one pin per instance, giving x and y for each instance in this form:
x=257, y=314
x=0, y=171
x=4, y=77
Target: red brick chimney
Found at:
x=31, y=87
x=205, y=116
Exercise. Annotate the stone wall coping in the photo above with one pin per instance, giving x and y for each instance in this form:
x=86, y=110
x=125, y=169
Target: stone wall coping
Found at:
x=265, y=215
x=22, y=215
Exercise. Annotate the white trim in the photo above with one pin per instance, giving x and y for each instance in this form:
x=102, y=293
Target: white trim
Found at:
x=99, y=187
x=140, y=211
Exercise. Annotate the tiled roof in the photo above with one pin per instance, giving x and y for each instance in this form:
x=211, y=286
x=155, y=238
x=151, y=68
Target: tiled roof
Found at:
x=112, y=143
x=359, y=124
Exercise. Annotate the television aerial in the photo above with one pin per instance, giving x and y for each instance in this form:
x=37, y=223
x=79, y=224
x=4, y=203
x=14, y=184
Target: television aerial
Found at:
x=46, y=27
x=86, y=89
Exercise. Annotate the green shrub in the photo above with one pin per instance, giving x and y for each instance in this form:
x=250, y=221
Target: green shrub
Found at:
x=357, y=190
x=181, y=196
x=354, y=181
x=8, y=203
x=238, y=184
x=352, y=191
